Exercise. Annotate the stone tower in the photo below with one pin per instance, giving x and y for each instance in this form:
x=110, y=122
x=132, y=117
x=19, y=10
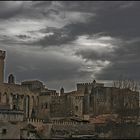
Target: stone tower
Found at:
x=2, y=57
x=11, y=79
x=86, y=101
x=61, y=91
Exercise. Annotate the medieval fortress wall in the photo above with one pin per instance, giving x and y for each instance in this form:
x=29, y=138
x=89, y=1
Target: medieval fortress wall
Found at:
x=15, y=97
x=32, y=102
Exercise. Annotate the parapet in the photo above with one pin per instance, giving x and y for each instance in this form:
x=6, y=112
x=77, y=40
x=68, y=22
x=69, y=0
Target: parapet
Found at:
x=2, y=54
x=34, y=120
x=83, y=84
x=90, y=84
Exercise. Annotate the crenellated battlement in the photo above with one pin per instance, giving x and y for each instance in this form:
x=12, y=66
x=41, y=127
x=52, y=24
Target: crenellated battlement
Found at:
x=34, y=120
x=84, y=84
x=2, y=54
x=57, y=96
x=90, y=84
x=61, y=122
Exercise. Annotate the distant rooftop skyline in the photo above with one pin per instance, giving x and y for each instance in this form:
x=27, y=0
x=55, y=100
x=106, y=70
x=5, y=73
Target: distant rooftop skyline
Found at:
x=62, y=43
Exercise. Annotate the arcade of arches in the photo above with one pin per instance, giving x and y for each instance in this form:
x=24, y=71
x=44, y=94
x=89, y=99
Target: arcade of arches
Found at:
x=17, y=97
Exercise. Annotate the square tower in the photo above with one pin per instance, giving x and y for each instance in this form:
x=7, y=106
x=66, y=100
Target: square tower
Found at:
x=2, y=57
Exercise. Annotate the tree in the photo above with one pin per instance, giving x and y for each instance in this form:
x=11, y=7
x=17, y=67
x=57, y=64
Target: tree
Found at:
x=128, y=91
x=125, y=83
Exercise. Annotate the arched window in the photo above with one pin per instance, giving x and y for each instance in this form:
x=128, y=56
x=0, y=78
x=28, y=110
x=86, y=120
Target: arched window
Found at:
x=76, y=108
x=14, y=107
x=33, y=101
x=27, y=105
x=37, y=101
x=0, y=96
x=46, y=105
x=5, y=98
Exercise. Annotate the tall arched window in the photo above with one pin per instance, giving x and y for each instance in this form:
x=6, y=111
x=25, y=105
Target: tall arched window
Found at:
x=27, y=106
x=46, y=105
x=5, y=98
x=37, y=101
x=76, y=108
x=33, y=101
x=0, y=97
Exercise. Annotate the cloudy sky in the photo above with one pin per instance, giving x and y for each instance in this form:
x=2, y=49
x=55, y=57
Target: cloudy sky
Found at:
x=62, y=43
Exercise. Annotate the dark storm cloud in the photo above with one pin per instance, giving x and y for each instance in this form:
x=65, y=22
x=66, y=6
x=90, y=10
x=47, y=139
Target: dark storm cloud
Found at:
x=93, y=55
x=58, y=37
x=112, y=20
x=55, y=73
x=125, y=62
x=9, y=9
x=45, y=25
x=23, y=36
x=117, y=19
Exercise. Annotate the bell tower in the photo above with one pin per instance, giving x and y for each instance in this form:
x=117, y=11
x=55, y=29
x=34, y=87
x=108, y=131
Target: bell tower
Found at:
x=2, y=57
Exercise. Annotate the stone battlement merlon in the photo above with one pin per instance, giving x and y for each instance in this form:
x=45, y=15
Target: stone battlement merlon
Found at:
x=2, y=54
x=84, y=83
x=34, y=120
x=89, y=84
